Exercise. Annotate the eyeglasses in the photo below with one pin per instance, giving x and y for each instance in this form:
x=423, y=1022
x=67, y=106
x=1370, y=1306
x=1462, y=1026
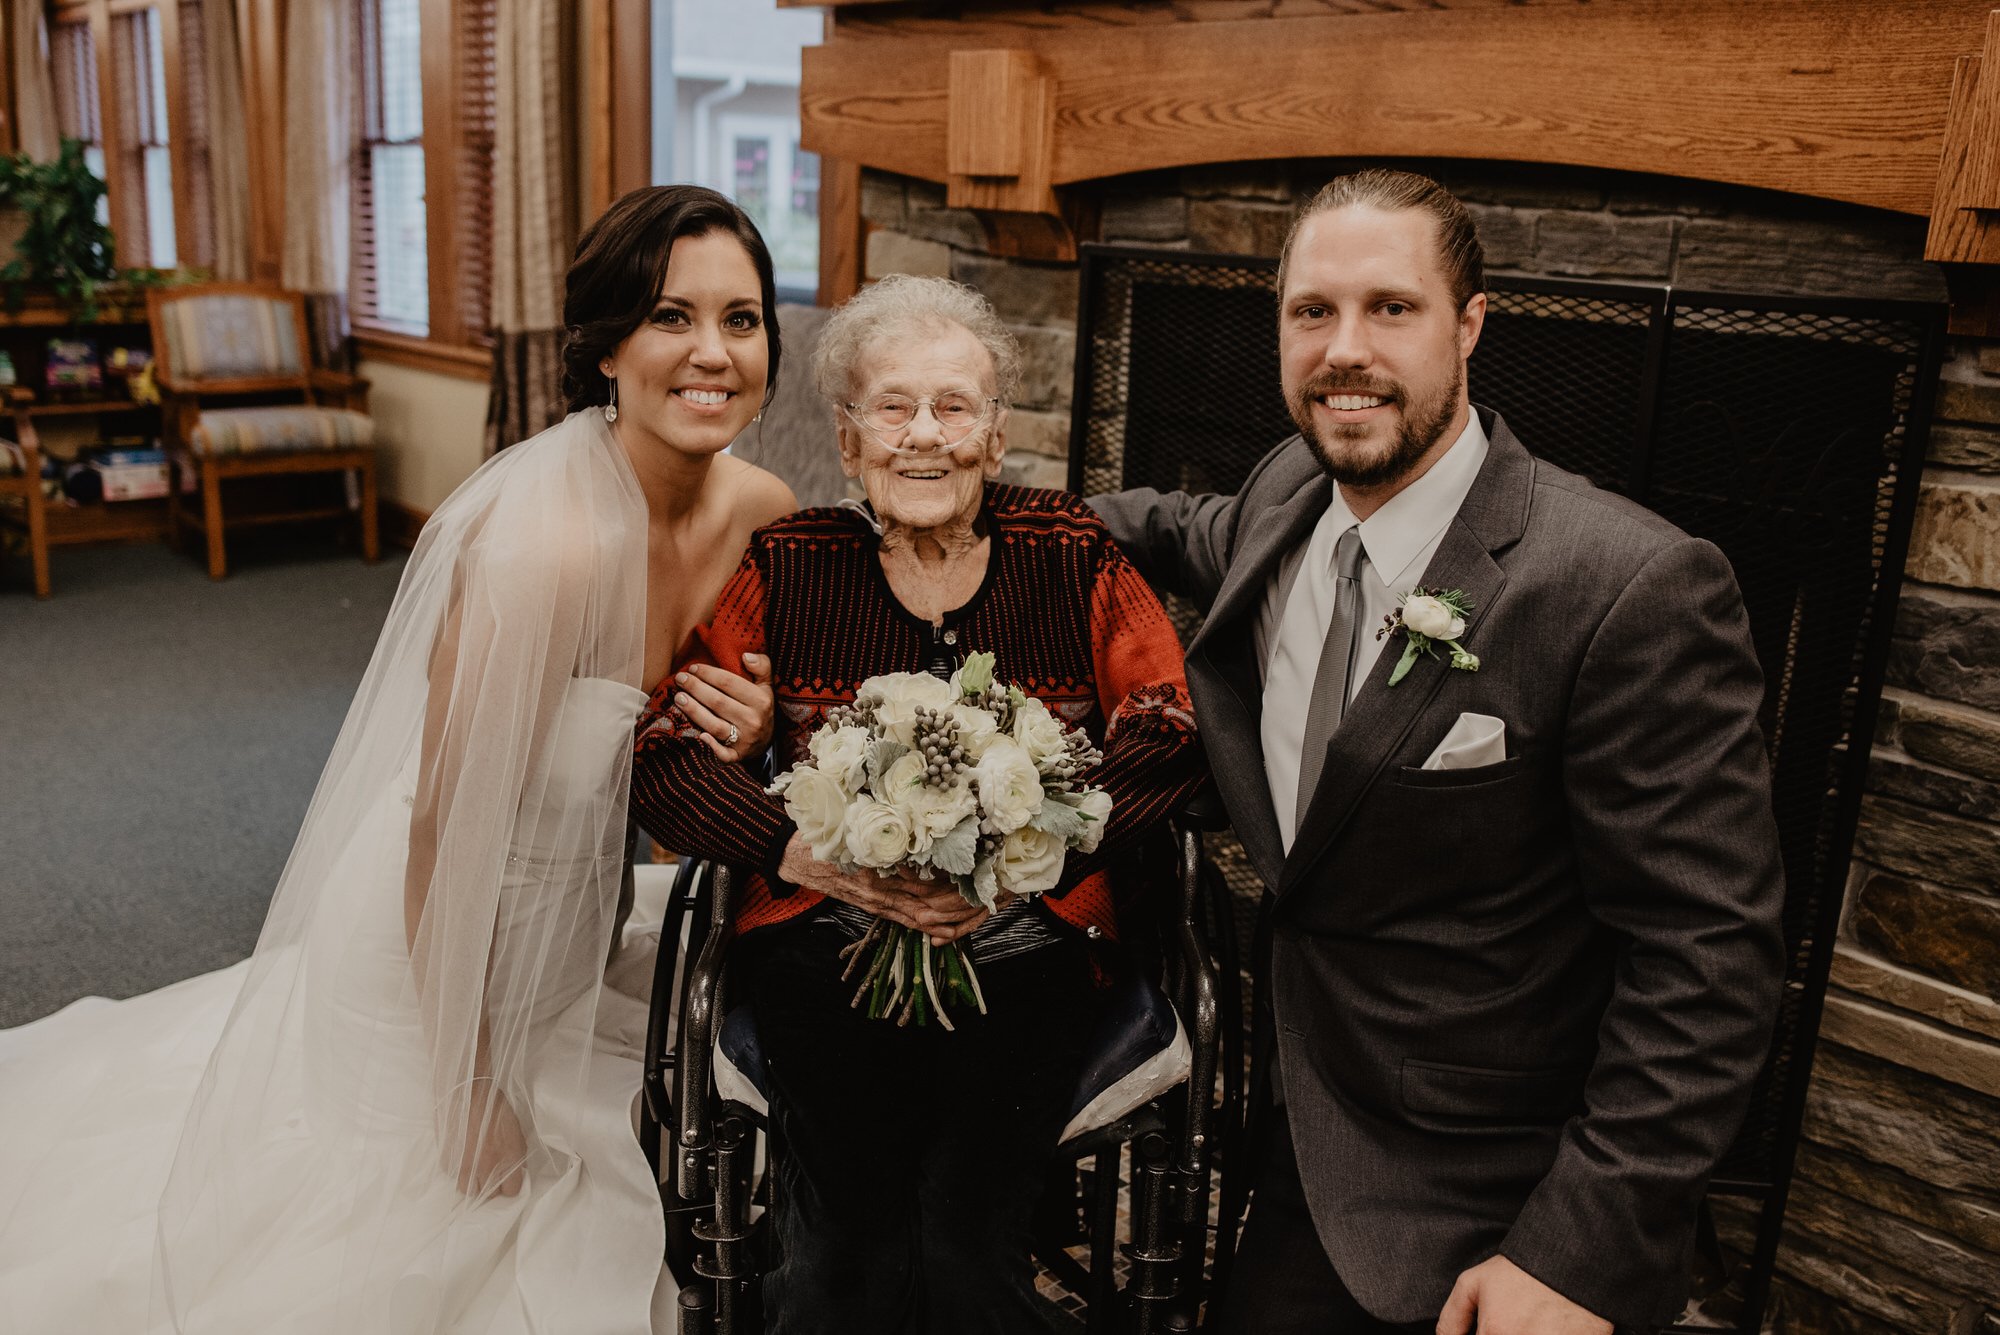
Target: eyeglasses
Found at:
x=958, y=413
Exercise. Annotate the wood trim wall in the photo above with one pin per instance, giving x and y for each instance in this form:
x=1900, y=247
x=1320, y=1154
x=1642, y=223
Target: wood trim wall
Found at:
x=1835, y=99
x=840, y=230
x=599, y=125
x=461, y=362
x=631, y=95
x=439, y=57
x=617, y=120
x=260, y=30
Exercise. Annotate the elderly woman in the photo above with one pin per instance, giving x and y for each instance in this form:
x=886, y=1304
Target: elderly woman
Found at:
x=909, y=1159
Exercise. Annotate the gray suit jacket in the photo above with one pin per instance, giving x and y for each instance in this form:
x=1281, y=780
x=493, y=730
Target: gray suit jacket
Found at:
x=1520, y=1007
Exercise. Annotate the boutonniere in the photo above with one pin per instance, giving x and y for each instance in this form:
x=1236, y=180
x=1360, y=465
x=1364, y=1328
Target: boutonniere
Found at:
x=1428, y=620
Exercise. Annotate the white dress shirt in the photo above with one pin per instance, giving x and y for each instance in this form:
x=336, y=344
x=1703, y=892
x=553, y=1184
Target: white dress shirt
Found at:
x=1398, y=542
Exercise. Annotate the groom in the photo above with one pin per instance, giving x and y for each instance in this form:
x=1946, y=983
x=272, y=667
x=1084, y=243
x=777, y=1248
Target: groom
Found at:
x=1525, y=950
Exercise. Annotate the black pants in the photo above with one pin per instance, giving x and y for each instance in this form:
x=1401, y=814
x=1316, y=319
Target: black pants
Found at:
x=907, y=1162
x=1283, y=1283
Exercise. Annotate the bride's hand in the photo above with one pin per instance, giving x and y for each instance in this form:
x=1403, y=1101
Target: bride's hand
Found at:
x=933, y=907
x=494, y=1144
x=723, y=704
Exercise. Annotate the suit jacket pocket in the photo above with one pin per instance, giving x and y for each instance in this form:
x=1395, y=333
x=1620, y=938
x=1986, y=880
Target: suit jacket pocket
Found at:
x=1545, y=1095
x=1410, y=776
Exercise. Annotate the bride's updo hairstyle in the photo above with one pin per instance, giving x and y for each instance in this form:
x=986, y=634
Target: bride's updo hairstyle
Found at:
x=620, y=265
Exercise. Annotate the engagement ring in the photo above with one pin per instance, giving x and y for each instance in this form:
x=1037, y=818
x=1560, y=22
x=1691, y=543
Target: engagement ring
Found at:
x=733, y=734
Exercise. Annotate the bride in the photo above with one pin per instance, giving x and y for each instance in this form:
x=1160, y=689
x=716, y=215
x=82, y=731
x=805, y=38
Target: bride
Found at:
x=411, y=1109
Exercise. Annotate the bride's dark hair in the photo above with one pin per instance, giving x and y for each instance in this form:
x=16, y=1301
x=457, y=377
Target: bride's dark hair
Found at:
x=620, y=264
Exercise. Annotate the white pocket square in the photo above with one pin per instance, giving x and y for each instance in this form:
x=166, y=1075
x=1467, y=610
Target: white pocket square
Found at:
x=1475, y=740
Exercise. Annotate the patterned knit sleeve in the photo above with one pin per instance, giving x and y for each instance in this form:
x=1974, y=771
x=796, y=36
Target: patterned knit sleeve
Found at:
x=682, y=794
x=1152, y=760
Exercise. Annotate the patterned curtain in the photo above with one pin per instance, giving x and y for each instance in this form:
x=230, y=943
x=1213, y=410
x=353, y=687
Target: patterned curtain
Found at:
x=533, y=232
x=320, y=133
x=34, y=88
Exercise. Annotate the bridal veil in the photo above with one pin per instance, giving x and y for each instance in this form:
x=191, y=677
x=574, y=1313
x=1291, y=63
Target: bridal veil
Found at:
x=438, y=934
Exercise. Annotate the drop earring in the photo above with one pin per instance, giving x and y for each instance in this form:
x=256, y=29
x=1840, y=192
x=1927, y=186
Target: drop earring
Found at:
x=611, y=408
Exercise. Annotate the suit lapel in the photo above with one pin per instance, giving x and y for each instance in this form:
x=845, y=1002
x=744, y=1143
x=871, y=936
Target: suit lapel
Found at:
x=1380, y=716
x=1229, y=681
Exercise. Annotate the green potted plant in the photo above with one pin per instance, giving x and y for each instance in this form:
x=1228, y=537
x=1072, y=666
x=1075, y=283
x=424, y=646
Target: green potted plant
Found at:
x=63, y=246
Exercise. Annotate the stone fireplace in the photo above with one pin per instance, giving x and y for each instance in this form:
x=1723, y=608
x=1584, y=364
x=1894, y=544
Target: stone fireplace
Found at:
x=1893, y=1221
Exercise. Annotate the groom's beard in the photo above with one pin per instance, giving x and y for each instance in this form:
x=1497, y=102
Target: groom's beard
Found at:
x=1346, y=455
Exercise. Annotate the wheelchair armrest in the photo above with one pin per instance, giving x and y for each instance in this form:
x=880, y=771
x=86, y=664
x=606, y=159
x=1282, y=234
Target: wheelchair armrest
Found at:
x=701, y=1013
x=1204, y=811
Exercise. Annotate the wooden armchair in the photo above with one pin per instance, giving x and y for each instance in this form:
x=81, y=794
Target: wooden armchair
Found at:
x=21, y=483
x=228, y=340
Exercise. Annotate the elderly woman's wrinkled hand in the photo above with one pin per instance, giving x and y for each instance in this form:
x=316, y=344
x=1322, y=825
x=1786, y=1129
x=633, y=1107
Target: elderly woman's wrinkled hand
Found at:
x=932, y=907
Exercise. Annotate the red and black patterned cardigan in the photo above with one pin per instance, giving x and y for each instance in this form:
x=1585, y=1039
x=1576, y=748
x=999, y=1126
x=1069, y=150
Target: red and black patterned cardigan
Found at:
x=1064, y=613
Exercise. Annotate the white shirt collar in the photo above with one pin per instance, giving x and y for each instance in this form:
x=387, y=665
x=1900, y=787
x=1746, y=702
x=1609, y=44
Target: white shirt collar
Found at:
x=1408, y=524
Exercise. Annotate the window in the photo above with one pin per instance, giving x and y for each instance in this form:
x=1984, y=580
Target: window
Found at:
x=423, y=171
x=145, y=220
x=777, y=184
x=391, y=270
x=73, y=56
x=726, y=114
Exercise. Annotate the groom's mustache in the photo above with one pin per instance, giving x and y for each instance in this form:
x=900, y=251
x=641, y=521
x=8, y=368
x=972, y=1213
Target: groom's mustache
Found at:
x=1350, y=382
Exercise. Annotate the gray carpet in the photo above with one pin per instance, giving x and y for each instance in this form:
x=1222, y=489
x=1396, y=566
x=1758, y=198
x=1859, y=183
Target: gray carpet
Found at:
x=160, y=736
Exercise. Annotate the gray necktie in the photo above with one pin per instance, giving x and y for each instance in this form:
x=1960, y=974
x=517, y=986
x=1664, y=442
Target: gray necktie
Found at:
x=1329, y=692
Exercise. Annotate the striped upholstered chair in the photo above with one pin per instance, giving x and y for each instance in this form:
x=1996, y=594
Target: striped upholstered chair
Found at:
x=217, y=345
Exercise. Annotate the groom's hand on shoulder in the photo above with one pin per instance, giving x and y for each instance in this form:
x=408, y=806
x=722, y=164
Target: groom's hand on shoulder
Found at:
x=1497, y=1297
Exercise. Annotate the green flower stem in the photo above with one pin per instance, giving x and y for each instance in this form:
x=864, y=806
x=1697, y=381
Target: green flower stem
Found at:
x=1414, y=644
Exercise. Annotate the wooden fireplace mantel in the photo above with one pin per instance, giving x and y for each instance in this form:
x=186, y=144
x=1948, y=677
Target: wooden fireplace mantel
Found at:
x=1011, y=103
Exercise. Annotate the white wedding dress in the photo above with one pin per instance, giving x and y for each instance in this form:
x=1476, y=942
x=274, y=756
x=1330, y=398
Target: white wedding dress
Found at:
x=270, y=1148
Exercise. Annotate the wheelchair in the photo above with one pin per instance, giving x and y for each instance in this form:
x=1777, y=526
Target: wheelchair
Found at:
x=1162, y=1085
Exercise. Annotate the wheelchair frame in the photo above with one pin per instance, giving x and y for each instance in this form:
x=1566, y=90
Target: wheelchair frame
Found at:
x=1176, y=1138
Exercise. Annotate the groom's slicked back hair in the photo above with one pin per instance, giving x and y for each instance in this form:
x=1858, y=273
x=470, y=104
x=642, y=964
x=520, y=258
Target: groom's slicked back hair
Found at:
x=620, y=266
x=1459, y=251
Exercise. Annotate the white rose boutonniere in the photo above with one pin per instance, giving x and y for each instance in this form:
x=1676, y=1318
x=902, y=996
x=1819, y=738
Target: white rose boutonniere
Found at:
x=1429, y=618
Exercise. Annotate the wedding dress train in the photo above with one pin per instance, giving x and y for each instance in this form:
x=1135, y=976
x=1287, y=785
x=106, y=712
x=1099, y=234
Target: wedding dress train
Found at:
x=92, y=1100
x=278, y=1146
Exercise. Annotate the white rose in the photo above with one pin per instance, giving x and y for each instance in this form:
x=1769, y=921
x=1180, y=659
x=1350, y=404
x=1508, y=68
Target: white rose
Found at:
x=817, y=804
x=1040, y=733
x=1428, y=616
x=935, y=813
x=1096, y=803
x=1010, y=787
x=976, y=730
x=877, y=835
x=1029, y=862
x=842, y=753
x=898, y=695
x=901, y=779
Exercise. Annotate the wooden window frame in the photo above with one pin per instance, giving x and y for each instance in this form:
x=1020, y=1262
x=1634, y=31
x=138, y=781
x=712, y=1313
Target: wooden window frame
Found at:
x=110, y=123
x=448, y=346
x=368, y=134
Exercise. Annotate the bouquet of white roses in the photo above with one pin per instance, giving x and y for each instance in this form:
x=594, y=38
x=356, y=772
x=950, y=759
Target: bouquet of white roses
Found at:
x=965, y=779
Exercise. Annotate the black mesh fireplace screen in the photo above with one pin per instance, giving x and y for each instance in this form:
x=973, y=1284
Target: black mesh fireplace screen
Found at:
x=1787, y=431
